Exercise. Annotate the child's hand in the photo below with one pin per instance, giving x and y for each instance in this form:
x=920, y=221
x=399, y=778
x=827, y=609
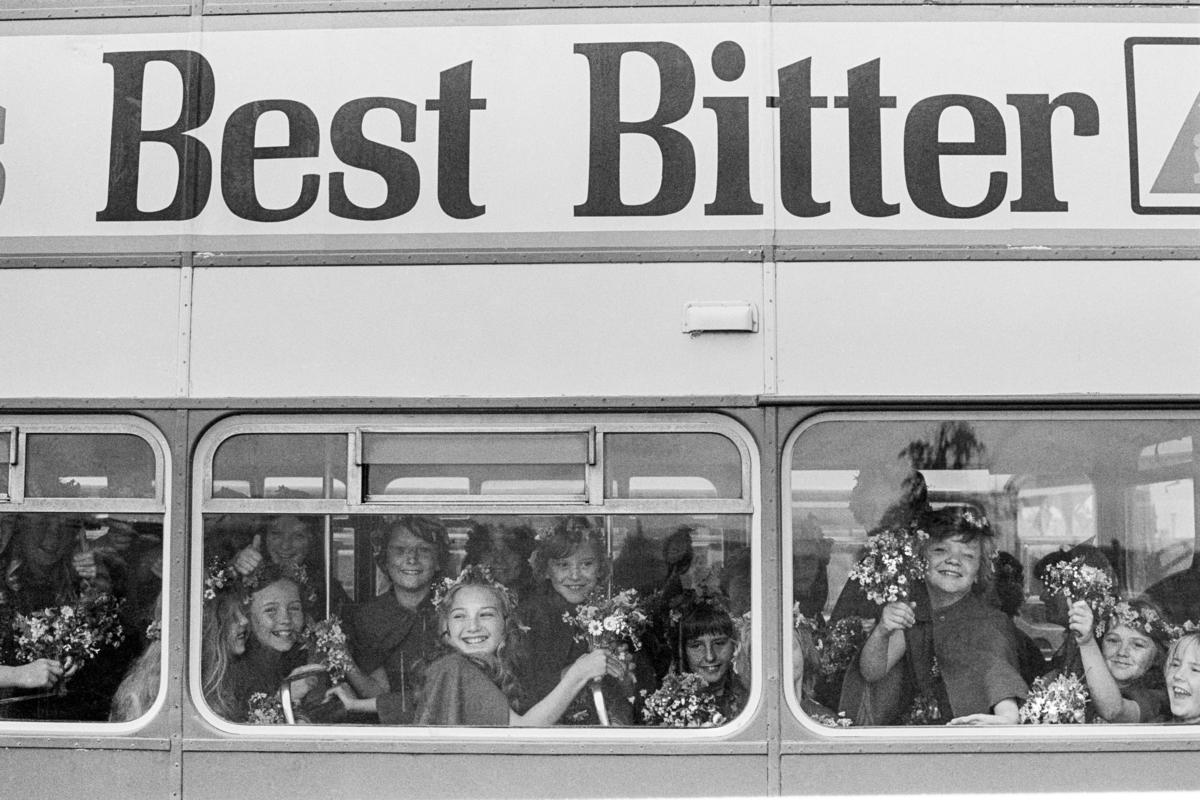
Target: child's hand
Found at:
x=348, y=698
x=897, y=617
x=40, y=674
x=596, y=664
x=1081, y=621
x=249, y=557
x=979, y=719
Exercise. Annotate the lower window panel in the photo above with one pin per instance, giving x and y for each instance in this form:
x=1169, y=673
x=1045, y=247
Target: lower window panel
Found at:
x=376, y=619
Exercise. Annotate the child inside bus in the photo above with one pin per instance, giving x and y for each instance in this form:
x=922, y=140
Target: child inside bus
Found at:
x=1182, y=676
x=394, y=635
x=292, y=541
x=706, y=641
x=1123, y=671
x=224, y=634
x=506, y=551
x=571, y=561
x=274, y=649
x=474, y=682
x=950, y=657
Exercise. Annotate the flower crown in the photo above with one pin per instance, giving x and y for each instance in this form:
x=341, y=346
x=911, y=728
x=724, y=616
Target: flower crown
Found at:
x=1146, y=620
x=474, y=575
x=220, y=577
x=266, y=574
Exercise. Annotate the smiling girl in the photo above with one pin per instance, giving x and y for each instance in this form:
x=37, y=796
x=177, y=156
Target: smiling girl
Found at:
x=473, y=683
x=276, y=616
x=1182, y=676
x=1122, y=670
x=570, y=562
x=952, y=657
x=707, y=643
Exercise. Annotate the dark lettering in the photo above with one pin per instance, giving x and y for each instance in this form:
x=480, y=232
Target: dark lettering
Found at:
x=125, y=143
x=733, y=138
x=454, y=106
x=866, y=157
x=677, y=87
x=795, y=103
x=397, y=168
x=923, y=151
x=1037, y=149
x=238, y=154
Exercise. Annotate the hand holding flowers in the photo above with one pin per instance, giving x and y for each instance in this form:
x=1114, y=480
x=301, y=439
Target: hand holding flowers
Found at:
x=892, y=565
x=1058, y=702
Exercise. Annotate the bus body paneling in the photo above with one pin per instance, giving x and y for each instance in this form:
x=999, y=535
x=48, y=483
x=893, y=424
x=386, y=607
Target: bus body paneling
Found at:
x=751, y=222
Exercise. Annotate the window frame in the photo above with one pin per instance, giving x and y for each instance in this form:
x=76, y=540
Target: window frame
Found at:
x=19, y=426
x=352, y=425
x=807, y=418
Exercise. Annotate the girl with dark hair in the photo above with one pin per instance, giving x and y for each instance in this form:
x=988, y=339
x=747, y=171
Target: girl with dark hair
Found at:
x=950, y=656
x=394, y=635
x=571, y=561
x=706, y=641
x=276, y=611
x=1123, y=670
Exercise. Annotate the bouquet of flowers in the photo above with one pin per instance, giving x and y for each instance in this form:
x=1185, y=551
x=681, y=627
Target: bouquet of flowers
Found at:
x=1077, y=581
x=830, y=721
x=219, y=577
x=681, y=702
x=326, y=642
x=1058, y=702
x=265, y=709
x=838, y=643
x=893, y=563
x=607, y=622
x=69, y=634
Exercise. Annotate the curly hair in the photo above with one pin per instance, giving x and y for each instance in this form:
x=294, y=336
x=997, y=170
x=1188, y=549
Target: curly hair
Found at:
x=502, y=666
x=427, y=529
x=569, y=534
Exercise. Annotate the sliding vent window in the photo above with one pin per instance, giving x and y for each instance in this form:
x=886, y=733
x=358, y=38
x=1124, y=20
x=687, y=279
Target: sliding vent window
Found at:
x=280, y=466
x=404, y=465
x=671, y=465
x=88, y=465
x=1020, y=512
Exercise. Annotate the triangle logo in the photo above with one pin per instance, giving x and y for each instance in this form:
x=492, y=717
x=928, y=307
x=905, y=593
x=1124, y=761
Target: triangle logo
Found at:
x=1180, y=173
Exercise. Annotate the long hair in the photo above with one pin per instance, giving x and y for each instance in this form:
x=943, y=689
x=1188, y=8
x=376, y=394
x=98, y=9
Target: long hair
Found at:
x=220, y=616
x=501, y=667
x=139, y=687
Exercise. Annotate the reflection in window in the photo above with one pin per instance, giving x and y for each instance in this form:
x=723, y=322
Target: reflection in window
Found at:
x=644, y=465
x=88, y=465
x=1116, y=496
x=531, y=464
x=80, y=607
x=280, y=466
x=411, y=665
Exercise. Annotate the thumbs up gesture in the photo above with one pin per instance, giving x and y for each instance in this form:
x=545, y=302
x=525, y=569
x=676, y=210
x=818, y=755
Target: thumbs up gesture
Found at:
x=250, y=557
x=83, y=562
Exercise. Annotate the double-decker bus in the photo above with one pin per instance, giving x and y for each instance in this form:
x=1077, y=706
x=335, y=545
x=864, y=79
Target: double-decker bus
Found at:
x=720, y=283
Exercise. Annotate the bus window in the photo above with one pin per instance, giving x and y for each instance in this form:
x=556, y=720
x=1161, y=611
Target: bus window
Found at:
x=280, y=465
x=82, y=554
x=1021, y=496
x=373, y=614
x=528, y=463
x=671, y=465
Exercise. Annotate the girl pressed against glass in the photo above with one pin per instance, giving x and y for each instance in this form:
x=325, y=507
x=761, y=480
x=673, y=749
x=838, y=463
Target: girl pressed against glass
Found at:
x=393, y=635
x=950, y=656
x=1182, y=676
x=473, y=682
x=225, y=632
x=1123, y=669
